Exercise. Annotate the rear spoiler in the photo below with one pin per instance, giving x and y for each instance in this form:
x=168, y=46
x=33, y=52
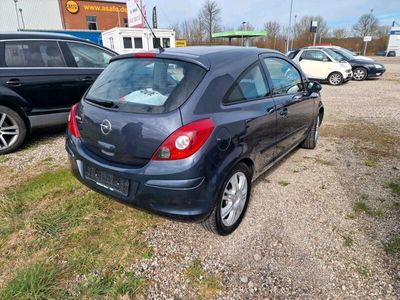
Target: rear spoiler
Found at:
x=190, y=58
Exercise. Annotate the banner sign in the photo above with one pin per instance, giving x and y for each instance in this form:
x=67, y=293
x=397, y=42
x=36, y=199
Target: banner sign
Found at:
x=135, y=18
x=155, y=17
x=314, y=26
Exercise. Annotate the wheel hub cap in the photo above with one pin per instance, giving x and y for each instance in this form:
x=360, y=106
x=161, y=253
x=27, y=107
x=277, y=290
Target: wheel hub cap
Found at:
x=234, y=199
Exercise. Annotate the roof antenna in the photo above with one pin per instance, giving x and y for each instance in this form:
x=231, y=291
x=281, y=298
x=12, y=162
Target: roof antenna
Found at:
x=160, y=48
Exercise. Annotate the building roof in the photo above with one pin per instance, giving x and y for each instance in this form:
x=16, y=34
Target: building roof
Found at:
x=238, y=34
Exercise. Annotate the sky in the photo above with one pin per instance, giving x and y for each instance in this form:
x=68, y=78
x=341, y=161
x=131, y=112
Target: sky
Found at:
x=337, y=13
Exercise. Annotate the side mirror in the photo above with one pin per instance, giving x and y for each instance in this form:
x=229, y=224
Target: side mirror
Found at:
x=325, y=59
x=314, y=87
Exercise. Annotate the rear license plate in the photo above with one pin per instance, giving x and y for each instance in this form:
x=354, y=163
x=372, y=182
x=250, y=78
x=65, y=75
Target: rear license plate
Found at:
x=107, y=180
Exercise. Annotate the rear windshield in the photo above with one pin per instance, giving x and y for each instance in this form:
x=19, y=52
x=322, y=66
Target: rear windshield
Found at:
x=146, y=85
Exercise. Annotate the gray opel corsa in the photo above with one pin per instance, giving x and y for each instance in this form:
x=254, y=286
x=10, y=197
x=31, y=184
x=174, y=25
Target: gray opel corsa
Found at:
x=184, y=132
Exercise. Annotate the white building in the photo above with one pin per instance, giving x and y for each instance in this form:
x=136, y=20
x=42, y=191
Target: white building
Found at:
x=394, y=40
x=129, y=40
x=34, y=14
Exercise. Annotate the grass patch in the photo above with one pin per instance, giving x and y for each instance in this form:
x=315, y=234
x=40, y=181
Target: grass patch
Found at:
x=35, y=282
x=363, y=271
x=320, y=161
x=283, y=183
x=206, y=284
x=394, y=186
x=348, y=241
x=50, y=185
x=370, y=162
x=393, y=246
x=53, y=215
x=361, y=206
x=371, y=140
x=4, y=159
x=115, y=284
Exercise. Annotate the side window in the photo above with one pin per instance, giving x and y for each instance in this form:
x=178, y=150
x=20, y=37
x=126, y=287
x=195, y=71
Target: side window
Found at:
x=88, y=56
x=33, y=54
x=316, y=55
x=250, y=86
x=286, y=79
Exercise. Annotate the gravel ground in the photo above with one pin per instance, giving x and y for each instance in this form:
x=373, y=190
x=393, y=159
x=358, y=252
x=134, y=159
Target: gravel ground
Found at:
x=295, y=239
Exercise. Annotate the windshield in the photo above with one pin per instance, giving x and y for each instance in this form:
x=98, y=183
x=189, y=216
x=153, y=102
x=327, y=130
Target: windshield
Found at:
x=334, y=55
x=146, y=85
x=346, y=54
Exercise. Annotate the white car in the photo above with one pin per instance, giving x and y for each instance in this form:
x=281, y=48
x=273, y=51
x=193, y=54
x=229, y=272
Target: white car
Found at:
x=322, y=65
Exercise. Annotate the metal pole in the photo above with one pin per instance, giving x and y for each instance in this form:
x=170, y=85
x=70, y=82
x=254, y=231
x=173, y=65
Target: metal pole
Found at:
x=369, y=28
x=22, y=18
x=243, y=23
x=16, y=12
x=294, y=25
x=315, y=38
x=290, y=24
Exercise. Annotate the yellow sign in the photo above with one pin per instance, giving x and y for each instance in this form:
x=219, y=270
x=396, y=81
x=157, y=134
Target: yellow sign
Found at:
x=180, y=43
x=72, y=7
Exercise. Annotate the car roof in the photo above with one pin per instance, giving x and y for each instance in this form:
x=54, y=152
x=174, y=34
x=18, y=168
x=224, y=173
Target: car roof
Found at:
x=36, y=35
x=208, y=56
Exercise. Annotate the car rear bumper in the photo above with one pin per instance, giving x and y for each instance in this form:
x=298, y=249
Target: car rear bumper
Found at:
x=178, y=189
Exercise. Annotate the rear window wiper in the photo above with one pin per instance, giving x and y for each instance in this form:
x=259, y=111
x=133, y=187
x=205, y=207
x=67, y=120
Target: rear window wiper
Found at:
x=105, y=103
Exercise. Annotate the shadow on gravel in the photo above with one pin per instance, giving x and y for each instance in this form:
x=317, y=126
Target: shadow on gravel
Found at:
x=42, y=136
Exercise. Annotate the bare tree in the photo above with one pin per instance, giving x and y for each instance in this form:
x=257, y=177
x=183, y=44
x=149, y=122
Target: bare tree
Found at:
x=273, y=30
x=339, y=33
x=366, y=24
x=210, y=16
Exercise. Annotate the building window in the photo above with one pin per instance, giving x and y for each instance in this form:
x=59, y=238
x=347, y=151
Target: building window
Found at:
x=156, y=43
x=112, y=43
x=91, y=22
x=166, y=43
x=127, y=42
x=138, y=43
x=126, y=22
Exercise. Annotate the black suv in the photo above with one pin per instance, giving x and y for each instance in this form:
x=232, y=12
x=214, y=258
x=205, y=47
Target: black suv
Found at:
x=41, y=76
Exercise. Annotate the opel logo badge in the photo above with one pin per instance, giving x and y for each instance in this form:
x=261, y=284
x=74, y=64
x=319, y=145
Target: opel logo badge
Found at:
x=105, y=127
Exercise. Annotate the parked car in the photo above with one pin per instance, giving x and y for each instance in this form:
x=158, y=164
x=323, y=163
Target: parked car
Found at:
x=322, y=65
x=42, y=75
x=190, y=147
x=362, y=69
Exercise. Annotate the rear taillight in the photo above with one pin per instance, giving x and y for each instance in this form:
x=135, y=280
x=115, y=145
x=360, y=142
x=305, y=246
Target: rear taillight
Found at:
x=72, y=124
x=185, y=141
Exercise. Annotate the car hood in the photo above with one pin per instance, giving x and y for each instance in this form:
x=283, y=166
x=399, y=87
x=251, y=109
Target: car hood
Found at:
x=363, y=58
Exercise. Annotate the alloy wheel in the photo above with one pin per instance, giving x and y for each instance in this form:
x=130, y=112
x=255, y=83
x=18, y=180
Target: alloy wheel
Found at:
x=234, y=199
x=9, y=131
x=316, y=130
x=335, y=79
x=359, y=74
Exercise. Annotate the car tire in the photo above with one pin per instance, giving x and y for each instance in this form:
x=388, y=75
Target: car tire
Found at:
x=12, y=130
x=360, y=74
x=311, y=140
x=231, y=204
x=335, y=78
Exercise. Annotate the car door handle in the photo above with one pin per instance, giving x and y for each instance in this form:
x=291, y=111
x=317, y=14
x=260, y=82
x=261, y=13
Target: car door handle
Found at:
x=14, y=82
x=88, y=79
x=297, y=97
x=284, y=112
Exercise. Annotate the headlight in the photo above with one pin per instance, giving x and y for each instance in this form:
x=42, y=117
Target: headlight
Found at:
x=378, y=66
x=345, y=65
